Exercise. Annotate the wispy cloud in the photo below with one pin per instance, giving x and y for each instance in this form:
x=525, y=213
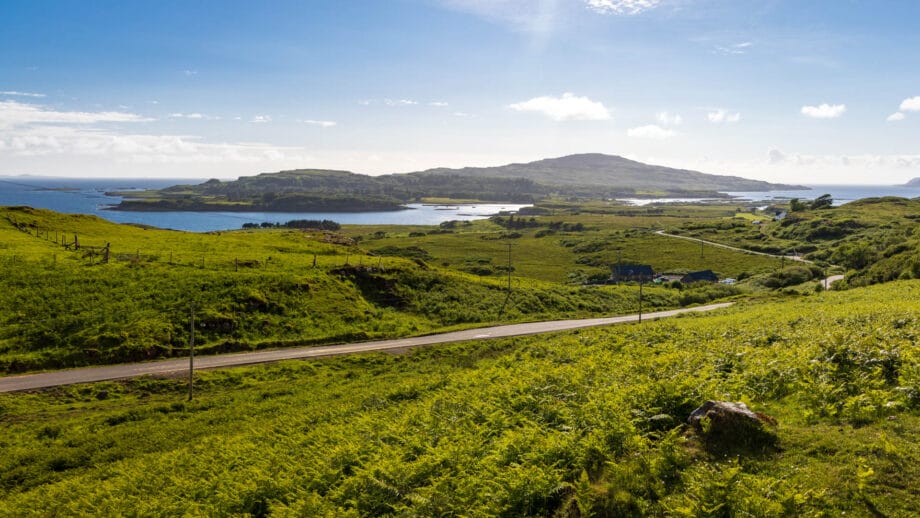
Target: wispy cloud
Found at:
x=260, y=119
x=911, y=105
x=399, y=102
x=438, y=104
x=21, y=94
x=896, y=116
x=775, y=156
x=190, y=73
x=621, y=7
x=28, y=130
x=569, y=107
x=536, y=17
x=735, y=49
x=669, y=119
x=322, y=124
x=186, y=116
x=824, y=111
x=721, y=116
x=14, y=113
x=651, y=131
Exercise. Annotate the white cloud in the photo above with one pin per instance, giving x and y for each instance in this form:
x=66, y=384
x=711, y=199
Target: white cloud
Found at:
x=536, y=17
x=74, y=142
x=14, y=113
x=399, y=102
x=566, y=108
x=824, y=111
x=775, y=156
x=735, y=49
x=21, y=94
x=721, y=116
x=187, y=116
x=260, y=119
x=896, y=116
x=866, y=161
x=438, y=104
x=621, y=7
x=651, y=131
x=669, y=119
x=189, y=73
x=322, y=124
x=911, y=105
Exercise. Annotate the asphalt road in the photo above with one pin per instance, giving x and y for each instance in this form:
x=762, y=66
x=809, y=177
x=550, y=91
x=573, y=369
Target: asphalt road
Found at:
x=164, y=367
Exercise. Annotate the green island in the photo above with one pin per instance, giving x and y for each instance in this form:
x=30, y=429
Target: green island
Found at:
x=577, y=423
x=587, y=176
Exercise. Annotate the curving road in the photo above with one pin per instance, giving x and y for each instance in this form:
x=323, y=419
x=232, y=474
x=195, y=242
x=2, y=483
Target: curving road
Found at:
x=827, y=281
x=720, y=245
x=162, y=367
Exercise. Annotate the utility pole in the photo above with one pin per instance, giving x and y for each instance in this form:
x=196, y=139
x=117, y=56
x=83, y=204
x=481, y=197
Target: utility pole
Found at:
x=640, y=300
x=191, y=350
x=509, y=268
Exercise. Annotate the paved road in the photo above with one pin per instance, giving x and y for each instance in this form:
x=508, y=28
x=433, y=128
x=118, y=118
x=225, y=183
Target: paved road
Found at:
x=720, y=245
x=110, y=372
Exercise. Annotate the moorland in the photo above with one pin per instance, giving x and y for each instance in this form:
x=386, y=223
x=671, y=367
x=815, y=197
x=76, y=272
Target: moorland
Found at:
x=589, y=422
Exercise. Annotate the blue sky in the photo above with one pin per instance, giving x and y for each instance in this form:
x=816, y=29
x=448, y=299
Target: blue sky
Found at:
x=805, y=92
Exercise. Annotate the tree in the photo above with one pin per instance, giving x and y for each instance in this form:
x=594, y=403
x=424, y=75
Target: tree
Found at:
x=822, y=202
x=795, y=205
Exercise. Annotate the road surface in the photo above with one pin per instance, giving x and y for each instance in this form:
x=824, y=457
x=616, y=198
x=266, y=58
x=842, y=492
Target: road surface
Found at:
x=131, y=370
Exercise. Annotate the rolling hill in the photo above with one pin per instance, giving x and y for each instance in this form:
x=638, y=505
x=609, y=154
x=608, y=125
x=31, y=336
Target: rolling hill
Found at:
x=585, y=176
x=596, y=169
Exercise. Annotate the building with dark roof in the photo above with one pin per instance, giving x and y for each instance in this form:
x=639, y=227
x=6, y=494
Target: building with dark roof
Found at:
x=632, y=272
x=701, y=276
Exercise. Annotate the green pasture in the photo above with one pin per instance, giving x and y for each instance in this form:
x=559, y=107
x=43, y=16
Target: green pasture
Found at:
x=572, y=424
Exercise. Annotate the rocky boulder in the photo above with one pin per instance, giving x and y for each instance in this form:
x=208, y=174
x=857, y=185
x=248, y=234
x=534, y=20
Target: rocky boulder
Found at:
x=732, y=425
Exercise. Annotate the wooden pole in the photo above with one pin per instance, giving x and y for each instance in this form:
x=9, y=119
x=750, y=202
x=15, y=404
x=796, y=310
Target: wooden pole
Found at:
x=509, y=268
x=191, y=350
x=640, y=301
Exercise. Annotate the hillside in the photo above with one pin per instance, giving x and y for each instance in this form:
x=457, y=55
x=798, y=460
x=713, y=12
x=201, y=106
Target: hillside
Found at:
x=281, y=287
x=875, y=239
x=613, y=172
x=588, y=176
x=914, y=182
x=586, y=423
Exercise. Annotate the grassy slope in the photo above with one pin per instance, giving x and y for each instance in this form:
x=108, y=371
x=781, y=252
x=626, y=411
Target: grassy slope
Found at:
x=573, y=256
x=583, y=422
x=875, y=238
x=256, y=289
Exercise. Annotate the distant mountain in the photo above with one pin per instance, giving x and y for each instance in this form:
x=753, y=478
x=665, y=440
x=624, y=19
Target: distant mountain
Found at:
x=588, y=176
x=913, y=183
x=616, y=172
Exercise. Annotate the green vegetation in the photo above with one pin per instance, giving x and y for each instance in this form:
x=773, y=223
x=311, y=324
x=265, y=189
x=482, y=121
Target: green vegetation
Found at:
x=283, y=287
x=586, y=177
x=874, y=239
x=572, y=424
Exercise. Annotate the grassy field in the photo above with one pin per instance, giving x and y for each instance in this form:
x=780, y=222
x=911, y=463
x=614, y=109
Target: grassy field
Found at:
x=876, y=239
x=570, y=424
x=61, y=307
x=540, y=252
